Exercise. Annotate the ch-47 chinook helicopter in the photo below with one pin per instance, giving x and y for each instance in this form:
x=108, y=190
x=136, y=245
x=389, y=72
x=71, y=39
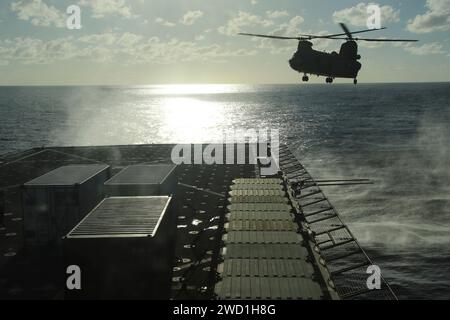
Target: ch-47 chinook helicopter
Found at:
x=331, y=65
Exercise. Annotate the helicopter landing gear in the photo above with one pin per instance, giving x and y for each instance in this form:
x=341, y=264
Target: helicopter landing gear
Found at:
x=329, y=80
x=355, y=81
x=305, y=78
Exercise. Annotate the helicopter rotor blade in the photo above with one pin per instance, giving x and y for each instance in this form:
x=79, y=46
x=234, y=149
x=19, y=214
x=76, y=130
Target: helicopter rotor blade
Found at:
x=346, y=30
x=337, y=36
x=270, y=37
x=341, y=34
x=306, y=36
x=377, y=40
x=329, y=36
x=386, y=40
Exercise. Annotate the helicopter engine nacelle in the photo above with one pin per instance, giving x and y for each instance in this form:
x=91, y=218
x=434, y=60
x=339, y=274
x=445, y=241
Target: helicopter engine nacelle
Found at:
x=304, y=46
x=349, y=50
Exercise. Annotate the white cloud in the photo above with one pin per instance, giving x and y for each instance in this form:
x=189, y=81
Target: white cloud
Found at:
x=36, y=51
x=437, y=18
x=357, y=15
x=102, y=8
x=254, y=2
x=293, y=26
x=243, y=19
x=109, y=47
x=164, y=23
x=157, y=51
x=277, y=14
x=425, y=49
x=104, y=38
x=129, y=39
x=39, y=13
x=191, y=17
x=290, y=28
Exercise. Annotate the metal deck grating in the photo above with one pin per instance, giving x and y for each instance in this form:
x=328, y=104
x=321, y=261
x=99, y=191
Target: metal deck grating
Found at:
x=269, y=288
x=265, y=237
x=344, y=258
x=265, y=251
x=260, y=215
x=264, y=255
x=261, y=225
x=259, y=207
x=266, y=268
x=249, y=193
x=254, y=186
x=123, y=216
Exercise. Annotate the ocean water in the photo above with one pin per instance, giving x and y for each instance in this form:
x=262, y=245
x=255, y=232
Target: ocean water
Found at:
x=397, y=135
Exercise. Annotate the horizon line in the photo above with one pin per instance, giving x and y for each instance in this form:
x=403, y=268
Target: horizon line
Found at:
x=216, y=83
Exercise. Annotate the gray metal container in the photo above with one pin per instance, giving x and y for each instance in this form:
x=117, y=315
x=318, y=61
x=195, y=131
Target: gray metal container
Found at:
x=143, y=180
x=124, y=249
x=57, y=201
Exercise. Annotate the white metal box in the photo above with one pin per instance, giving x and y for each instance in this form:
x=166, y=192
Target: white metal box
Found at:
x=56, y=201
x=124, y=249
x=143, y=180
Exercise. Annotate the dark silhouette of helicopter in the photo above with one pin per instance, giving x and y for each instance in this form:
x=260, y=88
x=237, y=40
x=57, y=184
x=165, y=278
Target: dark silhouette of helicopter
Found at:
x=331, y=65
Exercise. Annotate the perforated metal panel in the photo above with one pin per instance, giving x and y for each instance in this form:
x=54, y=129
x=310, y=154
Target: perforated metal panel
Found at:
x=345, y=260
x=248, y=193
x=260, y=215
x=262, y=225
x=258, y=196
x=253, y=186
x=263, y=237
x=266, y=268
x=68, y=175
x=263, y=181
x=269, y=288
x=143, y=180
x=264, y=255
x=123, y=216
x=259, y=207
x=265, y=251
x=143, y=174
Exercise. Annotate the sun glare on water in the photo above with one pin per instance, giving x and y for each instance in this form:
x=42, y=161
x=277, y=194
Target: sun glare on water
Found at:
x=188, y=115
x=189, y=120
x=192, y=89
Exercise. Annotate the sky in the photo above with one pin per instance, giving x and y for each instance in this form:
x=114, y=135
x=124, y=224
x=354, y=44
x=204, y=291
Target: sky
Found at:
x=143, y=42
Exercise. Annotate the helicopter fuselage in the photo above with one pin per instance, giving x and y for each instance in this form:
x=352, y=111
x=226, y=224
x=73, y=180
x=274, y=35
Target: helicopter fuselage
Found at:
x=332, y=65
